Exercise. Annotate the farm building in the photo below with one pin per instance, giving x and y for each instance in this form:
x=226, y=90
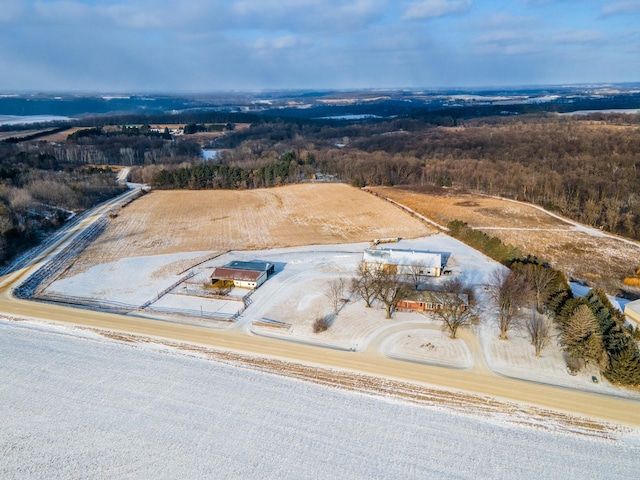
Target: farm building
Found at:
x=431, y=301
x=243, y=274
x=404, y=262
x=632, y=311
x=253, y=265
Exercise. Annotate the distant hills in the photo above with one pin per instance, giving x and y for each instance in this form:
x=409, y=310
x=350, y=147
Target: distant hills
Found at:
x=347, y=106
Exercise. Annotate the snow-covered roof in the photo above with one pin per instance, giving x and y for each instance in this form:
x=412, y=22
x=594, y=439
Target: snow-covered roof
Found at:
x=437, y=297
x=632, y=311
x=390, y=256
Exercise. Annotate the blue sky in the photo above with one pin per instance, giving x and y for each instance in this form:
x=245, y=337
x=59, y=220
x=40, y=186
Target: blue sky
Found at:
x=205, y=46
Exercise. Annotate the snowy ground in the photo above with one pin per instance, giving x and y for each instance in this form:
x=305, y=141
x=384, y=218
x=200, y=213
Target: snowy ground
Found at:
x=287, y=305
x=76, y=405
x=427, y=346
x=129, y=281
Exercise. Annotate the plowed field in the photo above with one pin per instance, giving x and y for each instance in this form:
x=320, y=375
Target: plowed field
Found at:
x=218, y=220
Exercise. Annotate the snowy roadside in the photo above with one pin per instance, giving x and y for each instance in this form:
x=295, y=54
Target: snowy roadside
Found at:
x=286, y=306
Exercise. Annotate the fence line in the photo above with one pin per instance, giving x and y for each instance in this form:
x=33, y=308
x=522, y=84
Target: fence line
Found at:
x=167, y=290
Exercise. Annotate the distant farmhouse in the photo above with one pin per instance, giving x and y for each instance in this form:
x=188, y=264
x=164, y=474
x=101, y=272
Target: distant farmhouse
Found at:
x=432, y=301
x=404, y=262
x=242, y=274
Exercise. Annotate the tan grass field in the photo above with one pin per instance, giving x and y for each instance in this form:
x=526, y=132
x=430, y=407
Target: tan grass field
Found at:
x=218, y=220
x=61, y=137
x=600, y=261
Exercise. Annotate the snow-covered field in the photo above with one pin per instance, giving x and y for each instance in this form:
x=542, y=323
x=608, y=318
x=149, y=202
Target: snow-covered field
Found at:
x=26, y=119
x=77, y=405
x=427, y=346
x=128, y=281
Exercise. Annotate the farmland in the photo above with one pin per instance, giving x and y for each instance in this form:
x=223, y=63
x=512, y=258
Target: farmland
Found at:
x=183, y=337
x=582, y=253
x=166, y=222
x=169, y=242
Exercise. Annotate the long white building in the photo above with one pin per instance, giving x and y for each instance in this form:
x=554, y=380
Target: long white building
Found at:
x=404, y=262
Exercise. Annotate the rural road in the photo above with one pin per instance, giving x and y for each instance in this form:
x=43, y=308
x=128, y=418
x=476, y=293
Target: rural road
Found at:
x=479, y=381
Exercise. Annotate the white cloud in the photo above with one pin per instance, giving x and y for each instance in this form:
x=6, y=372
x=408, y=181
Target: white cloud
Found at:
x=621, y=8
x=505, y=20
x=284, y=42
x=10, y=10
x=578, y=36
x=61, y=11
x=426, y=9
x=304, y=15
x=507, y=42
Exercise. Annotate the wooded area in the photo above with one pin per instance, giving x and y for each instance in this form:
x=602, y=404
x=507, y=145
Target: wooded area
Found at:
x=37, y=195
x=585, y=168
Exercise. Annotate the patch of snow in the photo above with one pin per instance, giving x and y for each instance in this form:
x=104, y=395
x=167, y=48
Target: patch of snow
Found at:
x=363, y=116
x=428, y=346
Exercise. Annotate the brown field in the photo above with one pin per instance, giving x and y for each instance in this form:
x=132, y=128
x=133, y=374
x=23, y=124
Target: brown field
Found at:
x=61, y=137
x=23, y=133
x=219, y=220
x=598, y=260
x=17, y=134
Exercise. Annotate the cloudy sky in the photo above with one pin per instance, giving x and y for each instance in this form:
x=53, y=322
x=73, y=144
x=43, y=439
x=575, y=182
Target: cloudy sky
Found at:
x=213, y=45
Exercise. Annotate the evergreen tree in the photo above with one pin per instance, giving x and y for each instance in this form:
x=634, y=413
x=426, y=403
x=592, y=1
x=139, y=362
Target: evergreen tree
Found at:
x=582, y=339
x=624, y=366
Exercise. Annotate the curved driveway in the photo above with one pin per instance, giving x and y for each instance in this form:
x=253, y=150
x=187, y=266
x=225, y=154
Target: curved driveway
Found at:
x=479, y=380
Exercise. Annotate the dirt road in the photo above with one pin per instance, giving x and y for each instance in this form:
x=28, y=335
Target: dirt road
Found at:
x=479, y=380
x=370, y=362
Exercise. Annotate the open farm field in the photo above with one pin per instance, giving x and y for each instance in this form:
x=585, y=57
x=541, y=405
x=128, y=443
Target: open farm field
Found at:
x=26, y=133
x=78, y=402
x=14, y=134
x=581, y=252
x=61, y=137
x=164, y=222
x=478, y=211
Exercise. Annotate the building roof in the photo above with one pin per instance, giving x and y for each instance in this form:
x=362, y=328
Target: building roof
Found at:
x=632, y=310
x=253, y=265
x=437, y=297
x=390, y=256
x=223, y=273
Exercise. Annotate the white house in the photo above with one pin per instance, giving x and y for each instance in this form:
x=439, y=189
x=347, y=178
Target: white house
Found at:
x=404, y=262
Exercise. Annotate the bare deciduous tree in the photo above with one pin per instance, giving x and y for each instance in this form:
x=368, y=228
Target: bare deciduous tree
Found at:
x=335, y=294
x=508, y=290
x=363, y=284
x=540, y=280
x=415, y=273
x=389, y=289
x=539, y=331
x=453, y=306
